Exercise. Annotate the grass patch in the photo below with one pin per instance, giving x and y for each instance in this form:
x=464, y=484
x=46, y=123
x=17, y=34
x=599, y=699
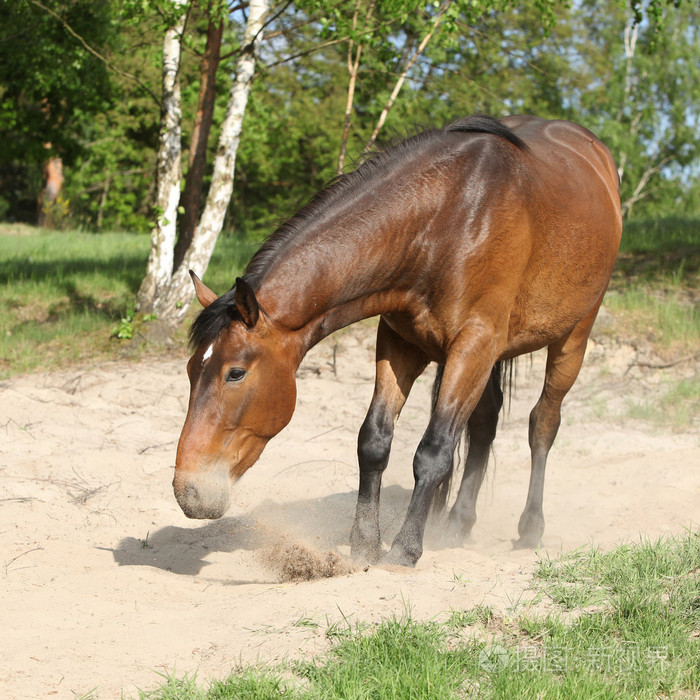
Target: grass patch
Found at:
x=626, y=624
x=399, y=659
x=659, y=315
x=675, y=236
x=63, y=295
x=655, y=290
x=678, y=407
x=248, y=684
x=643, y=641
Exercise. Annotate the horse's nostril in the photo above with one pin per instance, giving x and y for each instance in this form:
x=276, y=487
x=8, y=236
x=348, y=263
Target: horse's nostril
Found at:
x=191, y=494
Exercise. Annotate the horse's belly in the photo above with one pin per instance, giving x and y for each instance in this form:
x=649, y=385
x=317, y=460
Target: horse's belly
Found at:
x=420, y=330
x=537, y=321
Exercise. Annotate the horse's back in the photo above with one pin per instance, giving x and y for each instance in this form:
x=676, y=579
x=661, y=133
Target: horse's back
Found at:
x=567, y=159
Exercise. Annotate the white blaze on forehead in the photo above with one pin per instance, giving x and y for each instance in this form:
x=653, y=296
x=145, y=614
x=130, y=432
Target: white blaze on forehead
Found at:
x=208, y=353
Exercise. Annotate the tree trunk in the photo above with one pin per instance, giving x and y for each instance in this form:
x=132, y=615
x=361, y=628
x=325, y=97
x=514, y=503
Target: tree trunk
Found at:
x=192, y=195
x=172, y=305
x=353, y=67
x=53, y=183
x=168, y=174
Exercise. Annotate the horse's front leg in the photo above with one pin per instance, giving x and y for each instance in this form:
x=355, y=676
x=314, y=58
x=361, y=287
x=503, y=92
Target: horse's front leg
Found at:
x=466, y=374
x=398, y=365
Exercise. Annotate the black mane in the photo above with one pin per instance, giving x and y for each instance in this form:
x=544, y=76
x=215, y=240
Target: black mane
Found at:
x=378, y=162
x=217, y=316
x=480, y=124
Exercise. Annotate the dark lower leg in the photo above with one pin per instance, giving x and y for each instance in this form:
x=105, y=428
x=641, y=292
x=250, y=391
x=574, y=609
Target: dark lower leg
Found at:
x=544, y=424
x=398, y=365
x=466, y=375
x=482, y=431
x=373, y=453
x=463, y=514
x=431, y=464
x=564, y=360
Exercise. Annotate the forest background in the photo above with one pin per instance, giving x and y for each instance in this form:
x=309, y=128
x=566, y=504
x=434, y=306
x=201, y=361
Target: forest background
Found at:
x=80, y=84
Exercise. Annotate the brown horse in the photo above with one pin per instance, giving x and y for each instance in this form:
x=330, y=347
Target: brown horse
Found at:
x=474, y=243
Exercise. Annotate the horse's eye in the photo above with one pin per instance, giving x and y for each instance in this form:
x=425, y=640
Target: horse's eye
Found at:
x=235, y=374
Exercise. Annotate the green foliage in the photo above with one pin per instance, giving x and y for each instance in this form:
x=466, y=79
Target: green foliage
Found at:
x=49, y=89
x=644, y=103
x=51, y=75
x=57, y=211
x=499, y=60
x=290, y=147
x=491, y=56
x=129, y=323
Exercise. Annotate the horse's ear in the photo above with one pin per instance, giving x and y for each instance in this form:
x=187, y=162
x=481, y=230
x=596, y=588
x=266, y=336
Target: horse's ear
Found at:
x=204, y=294
x=246, y=303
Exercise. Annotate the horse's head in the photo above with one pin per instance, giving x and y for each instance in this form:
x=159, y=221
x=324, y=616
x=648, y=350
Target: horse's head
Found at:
x=242, y=393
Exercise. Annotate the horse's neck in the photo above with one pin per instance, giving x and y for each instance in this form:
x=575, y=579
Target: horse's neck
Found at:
x=329, y=283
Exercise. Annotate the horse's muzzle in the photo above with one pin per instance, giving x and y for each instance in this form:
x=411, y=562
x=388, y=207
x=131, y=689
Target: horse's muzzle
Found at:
x=202, y=496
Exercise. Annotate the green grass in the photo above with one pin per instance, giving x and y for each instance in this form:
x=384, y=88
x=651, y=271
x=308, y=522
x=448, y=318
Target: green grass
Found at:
x=678, y=406
x=643, y=637
x=248, y=684
x=655, y=290
x=63, y=293
x=663, y=317
x=624, y=624
x=675, y=237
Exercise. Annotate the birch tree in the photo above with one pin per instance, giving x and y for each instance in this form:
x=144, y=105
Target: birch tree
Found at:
x=172, y=294
x=168, y=173
x=354, y=56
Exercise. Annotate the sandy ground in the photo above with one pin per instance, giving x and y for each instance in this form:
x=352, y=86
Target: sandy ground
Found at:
x=105, y=583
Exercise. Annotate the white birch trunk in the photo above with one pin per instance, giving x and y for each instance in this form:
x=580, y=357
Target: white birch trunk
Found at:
x=173, y=305
x=169, y=172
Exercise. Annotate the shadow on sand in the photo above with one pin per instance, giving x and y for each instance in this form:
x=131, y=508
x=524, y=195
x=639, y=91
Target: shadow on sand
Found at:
x=323, y=522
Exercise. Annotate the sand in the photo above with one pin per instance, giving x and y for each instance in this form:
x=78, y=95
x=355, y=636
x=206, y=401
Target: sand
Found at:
x=105, y=583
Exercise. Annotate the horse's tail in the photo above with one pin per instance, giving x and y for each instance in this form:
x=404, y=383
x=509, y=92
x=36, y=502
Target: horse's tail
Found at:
x=503, y=374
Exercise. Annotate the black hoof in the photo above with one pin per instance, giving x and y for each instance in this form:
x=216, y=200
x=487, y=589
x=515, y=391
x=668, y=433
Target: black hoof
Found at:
x=397, y=556
x=526, y=543
x=456, y=534
x=365, y=555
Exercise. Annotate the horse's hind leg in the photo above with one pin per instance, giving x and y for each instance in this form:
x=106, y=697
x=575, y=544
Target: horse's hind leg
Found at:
x=398, y=365
x=482, y=431
x=564, y=359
